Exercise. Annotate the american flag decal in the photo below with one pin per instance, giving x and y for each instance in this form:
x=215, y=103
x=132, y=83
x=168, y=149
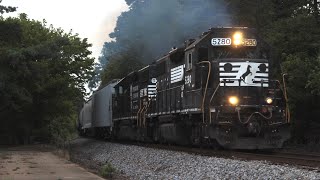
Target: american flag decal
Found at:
x=249, y=73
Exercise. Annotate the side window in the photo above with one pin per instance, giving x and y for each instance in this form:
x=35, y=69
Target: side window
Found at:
x=189, y=61
x=120, y=90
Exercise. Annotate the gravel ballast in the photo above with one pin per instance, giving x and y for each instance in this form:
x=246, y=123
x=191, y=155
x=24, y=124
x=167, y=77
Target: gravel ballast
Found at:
x=137, y=162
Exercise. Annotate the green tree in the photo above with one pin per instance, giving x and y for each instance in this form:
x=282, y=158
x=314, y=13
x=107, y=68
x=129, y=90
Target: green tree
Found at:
x=120, y=65
x=292, y=28
x=6, y=9
x=294, y=35
x=42, y=79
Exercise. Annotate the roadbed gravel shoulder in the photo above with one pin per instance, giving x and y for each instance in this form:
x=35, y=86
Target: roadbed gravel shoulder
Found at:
x=136, y=162
x=38, y=162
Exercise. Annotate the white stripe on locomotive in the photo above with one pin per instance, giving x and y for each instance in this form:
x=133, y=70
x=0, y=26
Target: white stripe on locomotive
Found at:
x=248, y=72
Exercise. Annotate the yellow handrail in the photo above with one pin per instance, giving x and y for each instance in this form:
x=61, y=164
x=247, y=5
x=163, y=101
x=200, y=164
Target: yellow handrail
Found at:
x=205, y=91
x=138, y=114
x=286, y=98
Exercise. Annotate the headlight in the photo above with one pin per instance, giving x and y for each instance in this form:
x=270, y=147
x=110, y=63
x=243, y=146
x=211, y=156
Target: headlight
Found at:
x=233, y=100
x=269, y=100
x=237, y=38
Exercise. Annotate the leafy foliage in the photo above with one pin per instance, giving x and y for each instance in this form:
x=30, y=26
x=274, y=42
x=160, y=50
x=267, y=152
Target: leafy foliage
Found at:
x=296, y=39
x=43, y=76
x=120, y=65
x=107, y=171
x=6, y=9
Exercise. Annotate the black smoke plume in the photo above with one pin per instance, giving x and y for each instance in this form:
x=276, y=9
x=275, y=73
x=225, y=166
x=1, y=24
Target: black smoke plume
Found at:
x=157, y=25
x=153, y=27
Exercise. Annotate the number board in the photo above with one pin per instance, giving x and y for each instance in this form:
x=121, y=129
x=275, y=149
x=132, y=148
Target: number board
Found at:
x=250, y=42
x=221, y=41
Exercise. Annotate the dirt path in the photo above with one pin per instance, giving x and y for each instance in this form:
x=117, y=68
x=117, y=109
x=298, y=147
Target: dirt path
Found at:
x=35, y=163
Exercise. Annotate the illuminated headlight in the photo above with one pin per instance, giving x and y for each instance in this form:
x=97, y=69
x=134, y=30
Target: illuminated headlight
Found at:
x=269, y=100
x=233, y=100
x=237, y=38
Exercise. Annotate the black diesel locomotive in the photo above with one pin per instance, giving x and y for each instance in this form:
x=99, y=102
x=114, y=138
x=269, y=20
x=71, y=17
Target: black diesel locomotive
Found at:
x=216, y=89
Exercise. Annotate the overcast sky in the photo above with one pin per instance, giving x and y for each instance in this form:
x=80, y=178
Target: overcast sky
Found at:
x=93, y=19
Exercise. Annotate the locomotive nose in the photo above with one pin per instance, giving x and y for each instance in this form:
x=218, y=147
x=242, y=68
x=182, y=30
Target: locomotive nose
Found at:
x=254, y=128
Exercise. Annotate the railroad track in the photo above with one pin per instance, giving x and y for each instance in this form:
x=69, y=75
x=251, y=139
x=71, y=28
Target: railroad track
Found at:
x=311, y=161
x=303, y=160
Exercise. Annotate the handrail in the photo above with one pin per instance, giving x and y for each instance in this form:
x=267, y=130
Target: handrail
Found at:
x=205, y=91
x=286, y=98
x=246, y=122
x=138, y=114
x=213, y=94
x=140, y=117
x=144, y=114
